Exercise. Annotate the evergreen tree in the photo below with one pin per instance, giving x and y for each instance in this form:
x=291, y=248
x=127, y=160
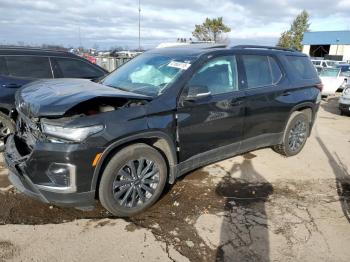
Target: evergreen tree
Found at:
x=294, y=36
x=211, y=30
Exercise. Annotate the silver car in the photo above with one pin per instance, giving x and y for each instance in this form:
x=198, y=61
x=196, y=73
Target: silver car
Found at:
x=344, y=101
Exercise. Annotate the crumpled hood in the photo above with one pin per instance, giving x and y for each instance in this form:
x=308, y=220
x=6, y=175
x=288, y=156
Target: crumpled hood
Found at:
x=55, y=97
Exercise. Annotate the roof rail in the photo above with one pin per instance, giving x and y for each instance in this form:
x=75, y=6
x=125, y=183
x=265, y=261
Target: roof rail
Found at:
x=201, y=46
x=264, y=47
x=32, y=49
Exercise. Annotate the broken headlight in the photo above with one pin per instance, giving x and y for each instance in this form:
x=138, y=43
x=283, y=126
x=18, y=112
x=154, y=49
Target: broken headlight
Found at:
x=76, y=134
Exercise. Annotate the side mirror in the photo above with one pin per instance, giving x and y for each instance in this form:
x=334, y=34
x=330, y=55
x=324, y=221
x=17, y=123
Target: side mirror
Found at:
x=197, y=92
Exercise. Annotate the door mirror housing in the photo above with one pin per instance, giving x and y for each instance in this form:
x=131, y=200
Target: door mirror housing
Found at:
x=197, y=92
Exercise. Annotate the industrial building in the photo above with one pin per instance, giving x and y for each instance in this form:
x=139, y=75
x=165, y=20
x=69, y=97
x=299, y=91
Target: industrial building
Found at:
x=331, y=45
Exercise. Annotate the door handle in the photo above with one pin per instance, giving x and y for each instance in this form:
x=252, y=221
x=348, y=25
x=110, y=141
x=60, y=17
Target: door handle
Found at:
x=11, y=85
x=287, y=93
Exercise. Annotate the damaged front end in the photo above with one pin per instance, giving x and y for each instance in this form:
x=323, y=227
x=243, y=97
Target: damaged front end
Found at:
x=50, y=155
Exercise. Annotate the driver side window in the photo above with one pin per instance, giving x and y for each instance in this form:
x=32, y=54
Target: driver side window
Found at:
x=219, y=76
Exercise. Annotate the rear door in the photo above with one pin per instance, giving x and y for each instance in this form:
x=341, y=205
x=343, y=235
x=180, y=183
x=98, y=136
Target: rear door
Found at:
x=267, y=89
x=216, y=120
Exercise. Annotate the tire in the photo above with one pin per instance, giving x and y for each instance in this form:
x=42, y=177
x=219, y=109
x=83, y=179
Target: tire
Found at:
x=297, y=121
x=118, y=177
x=7, y=126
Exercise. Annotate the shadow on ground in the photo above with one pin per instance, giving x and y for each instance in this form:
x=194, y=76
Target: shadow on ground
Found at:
x=331, y=105
x=244, y=236
x=342, y=177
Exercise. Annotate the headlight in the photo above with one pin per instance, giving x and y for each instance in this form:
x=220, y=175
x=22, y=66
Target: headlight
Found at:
x=347, y=91
x=76, y=134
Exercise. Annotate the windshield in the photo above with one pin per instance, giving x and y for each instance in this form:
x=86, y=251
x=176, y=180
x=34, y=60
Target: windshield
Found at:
x=148, y=74
x=330, y=72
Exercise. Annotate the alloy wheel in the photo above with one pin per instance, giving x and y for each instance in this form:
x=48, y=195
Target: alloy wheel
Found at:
x=136, y=182
x=297, y=135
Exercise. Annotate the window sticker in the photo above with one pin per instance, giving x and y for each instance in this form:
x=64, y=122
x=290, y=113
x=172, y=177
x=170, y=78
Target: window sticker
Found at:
x=179, y=65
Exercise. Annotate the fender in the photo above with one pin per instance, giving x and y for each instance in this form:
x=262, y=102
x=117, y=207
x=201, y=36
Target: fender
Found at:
x=297, y=108
x=171, y=155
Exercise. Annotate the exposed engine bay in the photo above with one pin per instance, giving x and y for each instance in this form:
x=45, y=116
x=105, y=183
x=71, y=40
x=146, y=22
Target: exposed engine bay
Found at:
x=102, y=105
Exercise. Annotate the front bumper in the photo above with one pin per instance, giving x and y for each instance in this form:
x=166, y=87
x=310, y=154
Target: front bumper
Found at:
x=28, y=173
x=344, y=107
x=344, y=104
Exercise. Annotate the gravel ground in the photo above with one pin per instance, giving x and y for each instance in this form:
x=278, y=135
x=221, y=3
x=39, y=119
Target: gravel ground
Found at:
x=258, y=206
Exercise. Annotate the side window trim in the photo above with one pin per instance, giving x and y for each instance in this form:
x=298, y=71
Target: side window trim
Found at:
x=52, y=72
x=279, y=67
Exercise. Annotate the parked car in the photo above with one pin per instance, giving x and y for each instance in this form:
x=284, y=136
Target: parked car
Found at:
x=344, y=101
x=19, y=66
x=157, y=117
x=332, y=80
x=324, y=63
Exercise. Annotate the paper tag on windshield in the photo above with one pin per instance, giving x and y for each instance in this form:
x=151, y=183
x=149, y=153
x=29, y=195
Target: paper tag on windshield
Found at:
x=180, y=65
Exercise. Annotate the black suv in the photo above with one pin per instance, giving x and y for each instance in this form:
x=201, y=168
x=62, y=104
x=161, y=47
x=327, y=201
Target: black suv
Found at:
x=159, y=116
x=19, y=66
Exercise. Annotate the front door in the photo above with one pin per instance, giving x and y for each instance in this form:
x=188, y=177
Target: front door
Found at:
x=211, y=113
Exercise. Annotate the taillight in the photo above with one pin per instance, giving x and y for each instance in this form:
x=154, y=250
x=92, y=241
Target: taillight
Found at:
x=319, y=86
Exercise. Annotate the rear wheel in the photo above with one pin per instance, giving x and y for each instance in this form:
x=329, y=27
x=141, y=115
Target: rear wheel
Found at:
x=133, y=180
x=295, y=135
x=7, y=126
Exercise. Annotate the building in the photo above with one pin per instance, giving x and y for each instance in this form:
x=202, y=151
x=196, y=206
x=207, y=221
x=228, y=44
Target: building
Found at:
x=332, y=45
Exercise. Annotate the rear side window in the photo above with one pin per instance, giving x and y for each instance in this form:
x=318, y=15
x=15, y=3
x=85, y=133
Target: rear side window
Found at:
x=302, y=66
x=73, y=68
x=3, y=68
x=261, y=70
x=28, y=66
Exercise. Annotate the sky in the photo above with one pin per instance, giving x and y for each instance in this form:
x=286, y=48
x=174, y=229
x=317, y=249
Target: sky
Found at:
x=114, y=23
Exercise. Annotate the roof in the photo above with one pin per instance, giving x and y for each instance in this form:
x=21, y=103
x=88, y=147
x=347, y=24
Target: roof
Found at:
x=197, y=50
x=327, y=38
x=33, y=51
x=187, y=50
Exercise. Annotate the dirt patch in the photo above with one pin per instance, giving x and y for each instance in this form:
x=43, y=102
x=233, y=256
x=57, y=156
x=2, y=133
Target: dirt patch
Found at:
x=7, y=250
x=173, y=218
x=4, y=182
x=16, y=208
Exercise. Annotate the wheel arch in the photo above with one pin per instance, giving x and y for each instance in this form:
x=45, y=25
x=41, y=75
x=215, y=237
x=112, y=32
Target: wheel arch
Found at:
x=157, y=139
x=308, y=108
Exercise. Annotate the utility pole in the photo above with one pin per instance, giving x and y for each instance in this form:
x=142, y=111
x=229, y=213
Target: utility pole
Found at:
x=139, y=25
x=79, y=38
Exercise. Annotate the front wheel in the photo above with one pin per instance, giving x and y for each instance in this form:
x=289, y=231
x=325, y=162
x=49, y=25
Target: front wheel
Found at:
x=133, y=180
x=295, y=135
